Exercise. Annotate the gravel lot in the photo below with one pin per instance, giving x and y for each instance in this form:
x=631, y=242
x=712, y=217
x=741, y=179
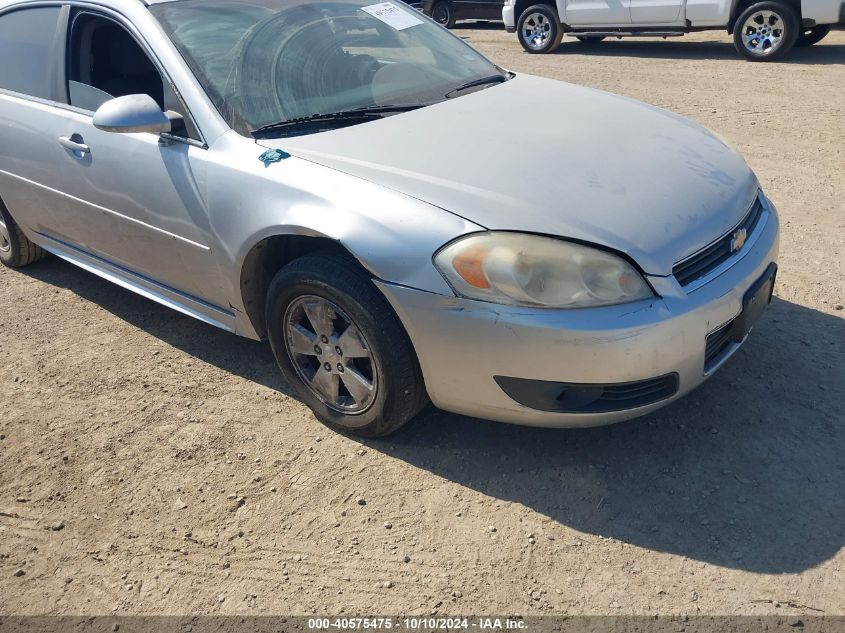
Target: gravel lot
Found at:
x=152, y=464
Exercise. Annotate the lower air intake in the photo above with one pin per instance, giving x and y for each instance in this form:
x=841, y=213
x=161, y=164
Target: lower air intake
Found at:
x=564, y=397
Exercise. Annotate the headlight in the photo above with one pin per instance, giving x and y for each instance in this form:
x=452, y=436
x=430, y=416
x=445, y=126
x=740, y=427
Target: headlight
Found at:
x=539, y=271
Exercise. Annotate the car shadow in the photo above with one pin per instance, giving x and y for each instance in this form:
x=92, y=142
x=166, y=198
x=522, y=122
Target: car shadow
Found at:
x=747, y=472
x=676, y=48
x=249, y=359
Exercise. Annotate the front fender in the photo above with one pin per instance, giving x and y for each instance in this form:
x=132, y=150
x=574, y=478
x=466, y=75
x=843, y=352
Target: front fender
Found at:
x=393, y=235
x=561, y=11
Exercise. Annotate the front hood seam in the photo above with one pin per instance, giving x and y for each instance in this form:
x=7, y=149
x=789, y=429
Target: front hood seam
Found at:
x=296, y=154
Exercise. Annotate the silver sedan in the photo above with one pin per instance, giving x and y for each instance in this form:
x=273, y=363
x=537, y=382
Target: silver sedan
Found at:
x=404, y=221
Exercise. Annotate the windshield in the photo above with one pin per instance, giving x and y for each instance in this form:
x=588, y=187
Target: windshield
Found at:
x=264, y=62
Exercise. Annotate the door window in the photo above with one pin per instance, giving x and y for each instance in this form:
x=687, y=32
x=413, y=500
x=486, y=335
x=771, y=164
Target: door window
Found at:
x=27, y=39
x=106, y=61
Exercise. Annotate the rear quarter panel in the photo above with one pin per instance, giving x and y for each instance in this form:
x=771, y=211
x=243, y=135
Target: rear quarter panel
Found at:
x=716, y=13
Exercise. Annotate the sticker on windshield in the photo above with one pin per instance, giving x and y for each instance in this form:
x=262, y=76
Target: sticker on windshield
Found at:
x=392, y=15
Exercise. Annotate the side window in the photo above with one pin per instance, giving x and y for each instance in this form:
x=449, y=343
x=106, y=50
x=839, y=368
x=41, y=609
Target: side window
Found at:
x=105, y=61
x=27, y=37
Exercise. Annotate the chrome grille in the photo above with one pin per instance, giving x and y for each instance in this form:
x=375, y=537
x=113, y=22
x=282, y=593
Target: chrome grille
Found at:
x=711, y=257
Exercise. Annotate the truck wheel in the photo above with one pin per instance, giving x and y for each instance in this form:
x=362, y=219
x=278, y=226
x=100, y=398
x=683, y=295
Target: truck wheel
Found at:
x=443, y=15
x=539, y=29
x=341, y=347
x=589, y=39
x=808, y=37
x=15, y=249
x=765, y=31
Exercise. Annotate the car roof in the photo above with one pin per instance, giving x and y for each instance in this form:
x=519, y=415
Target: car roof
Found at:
x=6, y=3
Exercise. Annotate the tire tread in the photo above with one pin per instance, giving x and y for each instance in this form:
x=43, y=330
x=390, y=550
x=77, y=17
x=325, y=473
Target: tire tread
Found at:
x=814, y=36
x=790, y=19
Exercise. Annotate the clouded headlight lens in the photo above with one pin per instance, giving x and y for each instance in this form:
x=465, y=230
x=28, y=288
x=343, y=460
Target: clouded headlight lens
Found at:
x=538, y=271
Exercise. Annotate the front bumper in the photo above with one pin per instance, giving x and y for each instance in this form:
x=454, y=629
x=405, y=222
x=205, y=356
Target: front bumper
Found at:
x=509, y=18
x=464, y=344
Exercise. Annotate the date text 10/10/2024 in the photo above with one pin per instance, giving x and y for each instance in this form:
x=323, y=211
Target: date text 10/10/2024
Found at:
x=417, y=624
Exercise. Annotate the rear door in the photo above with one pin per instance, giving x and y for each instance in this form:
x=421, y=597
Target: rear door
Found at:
x=30, y=112
x=655, y=12
x=135, y=200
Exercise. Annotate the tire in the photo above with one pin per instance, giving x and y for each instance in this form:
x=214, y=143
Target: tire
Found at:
x=442, y=13
x=15, y=249
x=587, y=39
x=539, y=29
x=765, y=31
x=360, y=339
x=808, y=37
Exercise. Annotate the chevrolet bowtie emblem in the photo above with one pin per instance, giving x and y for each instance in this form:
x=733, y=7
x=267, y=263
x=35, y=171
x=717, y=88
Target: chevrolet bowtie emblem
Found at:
x=738, y=239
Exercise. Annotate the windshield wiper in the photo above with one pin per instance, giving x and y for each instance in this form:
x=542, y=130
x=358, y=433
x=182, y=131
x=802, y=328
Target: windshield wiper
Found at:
x=492, y=79
x=366, y=113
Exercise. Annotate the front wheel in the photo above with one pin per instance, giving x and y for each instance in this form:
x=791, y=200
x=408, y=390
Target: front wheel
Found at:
x=442, y=13
x=341, y=348
x=539, y=29
x=765, y=31
x=808, y=37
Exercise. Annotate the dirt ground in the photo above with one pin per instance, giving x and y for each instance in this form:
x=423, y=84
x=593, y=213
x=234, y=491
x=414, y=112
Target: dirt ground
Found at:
x=152, y=464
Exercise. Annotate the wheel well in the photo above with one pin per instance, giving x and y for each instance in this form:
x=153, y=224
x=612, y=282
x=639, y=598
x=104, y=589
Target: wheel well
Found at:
x=522, y=5
x=6, y=212
x=428, y=6
x=3, y=207
x=262, y=263
x=741, y=5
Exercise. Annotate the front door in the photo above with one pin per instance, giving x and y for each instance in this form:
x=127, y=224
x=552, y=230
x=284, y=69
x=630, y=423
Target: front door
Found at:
x=135, y=200
x=29, y=156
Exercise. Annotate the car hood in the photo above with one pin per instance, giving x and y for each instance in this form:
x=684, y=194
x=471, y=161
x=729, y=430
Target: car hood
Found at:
x=548, y=157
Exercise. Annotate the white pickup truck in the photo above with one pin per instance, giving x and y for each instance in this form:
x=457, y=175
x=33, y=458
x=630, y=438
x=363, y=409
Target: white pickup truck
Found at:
x=763, y=30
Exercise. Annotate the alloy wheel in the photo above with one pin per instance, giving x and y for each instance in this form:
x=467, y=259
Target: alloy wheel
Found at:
x=536, y=31
x=330, y=354
x=762, y=33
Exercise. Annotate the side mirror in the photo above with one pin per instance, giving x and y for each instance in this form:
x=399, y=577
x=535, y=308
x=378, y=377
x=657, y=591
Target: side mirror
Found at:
x=130, y=114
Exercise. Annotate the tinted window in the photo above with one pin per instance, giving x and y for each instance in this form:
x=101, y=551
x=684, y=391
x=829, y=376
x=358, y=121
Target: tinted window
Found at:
x=105, y=61
x=26, y=50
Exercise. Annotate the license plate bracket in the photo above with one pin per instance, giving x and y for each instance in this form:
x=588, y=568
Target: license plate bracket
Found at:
x=754, y=302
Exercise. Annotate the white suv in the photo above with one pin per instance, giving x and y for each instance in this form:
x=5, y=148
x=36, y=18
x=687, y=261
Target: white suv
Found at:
x=762, y=30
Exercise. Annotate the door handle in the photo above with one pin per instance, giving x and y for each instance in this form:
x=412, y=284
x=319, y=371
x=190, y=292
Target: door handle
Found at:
x=74, y=144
